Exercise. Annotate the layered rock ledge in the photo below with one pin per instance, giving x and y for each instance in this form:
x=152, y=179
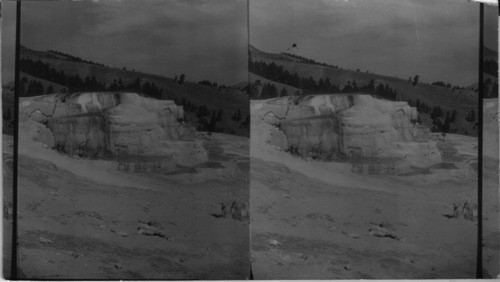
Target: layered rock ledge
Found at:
x=377, y=135
x=148, y=133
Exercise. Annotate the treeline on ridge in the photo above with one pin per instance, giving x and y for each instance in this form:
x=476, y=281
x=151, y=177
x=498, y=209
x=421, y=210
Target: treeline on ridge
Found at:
x=309, y=85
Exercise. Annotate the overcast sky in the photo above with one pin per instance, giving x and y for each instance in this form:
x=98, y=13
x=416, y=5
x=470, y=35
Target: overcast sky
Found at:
x=205, y=39
x=437, y=39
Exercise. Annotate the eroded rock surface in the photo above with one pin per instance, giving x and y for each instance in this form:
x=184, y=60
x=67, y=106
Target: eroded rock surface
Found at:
x=146, y=132
x=356, y=127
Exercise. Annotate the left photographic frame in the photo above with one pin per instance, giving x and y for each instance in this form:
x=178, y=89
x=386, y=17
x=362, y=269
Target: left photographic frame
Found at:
x=132, y=147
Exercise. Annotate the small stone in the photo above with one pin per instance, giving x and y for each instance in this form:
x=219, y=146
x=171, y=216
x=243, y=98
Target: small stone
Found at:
x=120, y=233
x=45, y=146
x=118, y=266
x=353, y=235
x=303, y=256
x=347, y=267
x=44, y=240
x=274, y=242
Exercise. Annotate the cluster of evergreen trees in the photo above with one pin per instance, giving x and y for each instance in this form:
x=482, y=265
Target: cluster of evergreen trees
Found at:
x=148, y=88
x=7, y=115
x=490, y=88
x=276, y=73
x=74, y=83
x=309, y=85
x=32, y=88
x=491, y=67
x=447, y=85
x=471, y=116
x=441, y=122
x=237, y=115
x=421, y=106
x=443, y=125
x=213, y=84
x=208, y=120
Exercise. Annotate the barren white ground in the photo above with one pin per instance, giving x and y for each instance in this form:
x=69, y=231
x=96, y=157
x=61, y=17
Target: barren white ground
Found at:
x=81, y=219
x=312, y=219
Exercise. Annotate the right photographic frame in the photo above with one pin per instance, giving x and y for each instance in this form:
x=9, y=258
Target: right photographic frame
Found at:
x=367, y=139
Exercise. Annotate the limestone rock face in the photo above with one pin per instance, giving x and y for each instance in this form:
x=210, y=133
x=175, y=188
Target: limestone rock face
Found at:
x=83, y=135
x=313, y=137
x=345, y=126
x=35, y=131
x=116, y=125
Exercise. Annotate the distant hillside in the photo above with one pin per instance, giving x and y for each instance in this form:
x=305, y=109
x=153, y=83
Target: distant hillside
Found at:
x=490, y=73
x=434, y=101
x=210, y=108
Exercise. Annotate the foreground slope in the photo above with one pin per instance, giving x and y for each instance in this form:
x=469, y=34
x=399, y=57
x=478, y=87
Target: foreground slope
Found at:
x=315, y=219
x=491, y=221
x=81, y=218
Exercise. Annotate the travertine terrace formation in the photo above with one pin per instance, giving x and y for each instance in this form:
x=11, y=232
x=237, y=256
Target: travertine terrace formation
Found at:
x=357, y=127
x=137, y=129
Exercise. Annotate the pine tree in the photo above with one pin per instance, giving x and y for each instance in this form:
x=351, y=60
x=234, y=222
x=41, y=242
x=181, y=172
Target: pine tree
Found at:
x=416, y=79
x=181, y=79
x=283, y=92
x=7, y=115
x=50, y=89
x=220, y=114
x=453, y=116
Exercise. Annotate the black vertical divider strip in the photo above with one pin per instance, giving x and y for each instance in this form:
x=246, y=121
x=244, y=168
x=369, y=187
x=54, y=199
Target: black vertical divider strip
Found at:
x=17, y=88
x=250, y=135
x=479, y=264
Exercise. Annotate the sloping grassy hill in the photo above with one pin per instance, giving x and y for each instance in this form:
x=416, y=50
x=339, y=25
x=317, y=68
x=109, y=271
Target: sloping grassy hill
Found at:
x=229, y=100
x=448, y=99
